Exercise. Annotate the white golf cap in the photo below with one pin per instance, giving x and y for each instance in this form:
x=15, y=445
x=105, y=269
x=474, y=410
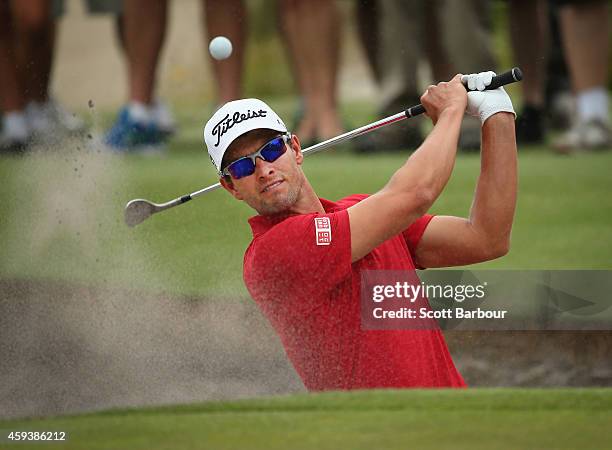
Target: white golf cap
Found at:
x=233, y=120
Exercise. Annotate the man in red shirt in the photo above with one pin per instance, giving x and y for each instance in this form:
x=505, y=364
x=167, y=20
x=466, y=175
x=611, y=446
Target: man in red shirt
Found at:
x=303, y=266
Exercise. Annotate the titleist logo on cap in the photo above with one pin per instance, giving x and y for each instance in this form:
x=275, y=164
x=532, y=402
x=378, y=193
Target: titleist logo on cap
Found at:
x=225, y=124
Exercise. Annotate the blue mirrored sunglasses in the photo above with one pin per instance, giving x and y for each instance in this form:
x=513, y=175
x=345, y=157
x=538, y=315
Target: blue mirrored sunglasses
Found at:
x=245, y=166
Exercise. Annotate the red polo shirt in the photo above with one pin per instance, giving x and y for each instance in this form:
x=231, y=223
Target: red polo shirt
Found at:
x=310, y=293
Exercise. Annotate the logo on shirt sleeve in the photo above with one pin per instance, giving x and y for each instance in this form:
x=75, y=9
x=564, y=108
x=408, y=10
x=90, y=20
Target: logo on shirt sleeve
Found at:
x=323, y=230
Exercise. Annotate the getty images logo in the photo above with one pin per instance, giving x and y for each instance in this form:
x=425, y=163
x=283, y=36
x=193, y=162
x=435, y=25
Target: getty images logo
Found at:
x=225, y=124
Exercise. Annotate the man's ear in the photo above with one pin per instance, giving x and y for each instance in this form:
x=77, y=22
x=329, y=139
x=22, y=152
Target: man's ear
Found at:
x=228, y=185
x=297, y=149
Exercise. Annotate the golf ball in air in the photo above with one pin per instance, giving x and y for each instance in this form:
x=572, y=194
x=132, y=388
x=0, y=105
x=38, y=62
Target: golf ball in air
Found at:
x=220, y=47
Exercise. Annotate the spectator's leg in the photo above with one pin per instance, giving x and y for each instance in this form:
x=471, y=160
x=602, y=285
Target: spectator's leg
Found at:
x=467, y=34
x=558, y=99
x=227, y=18
x=11, y=94
x=466, y=27
x=158, y=111
x=529, y=36
x=35, y=30
x=144, y=38
x=14, y=132
x=585, y=33
x=143, y=34
x=442, y=69
x=311, y=29
x=401, y=28
x=400, y=40
x=586, y=42
x=367, y=12
x=529, y=33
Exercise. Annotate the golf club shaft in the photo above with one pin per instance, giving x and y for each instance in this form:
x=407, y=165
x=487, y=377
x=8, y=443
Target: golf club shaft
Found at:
x=502, y=79
x=313, y=149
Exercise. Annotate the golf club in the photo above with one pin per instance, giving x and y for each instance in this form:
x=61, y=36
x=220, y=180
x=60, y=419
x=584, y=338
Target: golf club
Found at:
x=138, y=210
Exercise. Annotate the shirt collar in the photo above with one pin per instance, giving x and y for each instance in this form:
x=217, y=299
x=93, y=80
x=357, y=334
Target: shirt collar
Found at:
x=261, y=224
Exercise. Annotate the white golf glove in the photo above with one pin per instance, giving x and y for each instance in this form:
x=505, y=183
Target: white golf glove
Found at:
x=483, y=104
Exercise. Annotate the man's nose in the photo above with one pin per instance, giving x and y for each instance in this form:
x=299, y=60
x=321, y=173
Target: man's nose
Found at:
x=263, y=168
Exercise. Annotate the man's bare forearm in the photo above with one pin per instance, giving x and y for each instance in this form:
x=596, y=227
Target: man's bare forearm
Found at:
x=428, y=169
x=494, y=203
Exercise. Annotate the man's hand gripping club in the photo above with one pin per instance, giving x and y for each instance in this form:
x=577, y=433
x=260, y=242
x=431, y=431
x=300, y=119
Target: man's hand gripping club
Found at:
x=483, y=104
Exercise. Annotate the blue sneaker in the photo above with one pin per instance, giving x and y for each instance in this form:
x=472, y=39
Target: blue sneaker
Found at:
x=129, y=135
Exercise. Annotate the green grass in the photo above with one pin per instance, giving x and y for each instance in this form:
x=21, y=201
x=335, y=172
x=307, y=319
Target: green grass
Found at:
x=423, y=419
x=62, y=213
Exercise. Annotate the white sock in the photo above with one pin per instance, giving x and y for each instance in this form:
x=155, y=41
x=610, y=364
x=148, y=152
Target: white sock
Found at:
x=162, y=115
x=140, y=112
x=15, y=126
x=593, y=104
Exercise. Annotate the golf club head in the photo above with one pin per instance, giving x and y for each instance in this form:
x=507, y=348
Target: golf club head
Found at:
x=137, y=211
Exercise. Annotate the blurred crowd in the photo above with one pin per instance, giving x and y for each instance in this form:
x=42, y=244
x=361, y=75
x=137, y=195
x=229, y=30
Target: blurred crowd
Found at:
x=562, y=47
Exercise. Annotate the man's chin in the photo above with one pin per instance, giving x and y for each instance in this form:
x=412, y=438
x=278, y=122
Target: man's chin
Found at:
x=277, y=203
x=277, y=206
x=273, y=209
